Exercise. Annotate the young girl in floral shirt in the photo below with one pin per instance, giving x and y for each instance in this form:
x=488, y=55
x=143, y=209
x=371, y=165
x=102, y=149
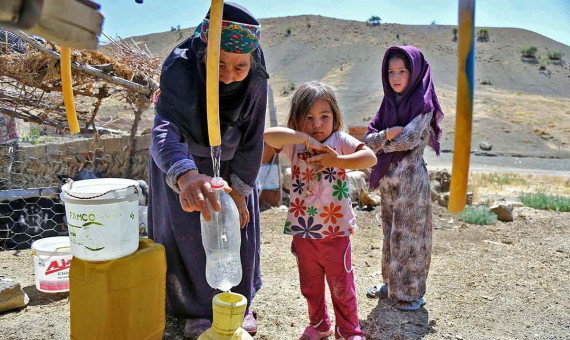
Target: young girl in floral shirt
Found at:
x=320, y=217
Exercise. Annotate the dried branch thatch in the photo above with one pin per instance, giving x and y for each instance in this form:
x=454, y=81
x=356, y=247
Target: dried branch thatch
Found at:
x=30, y=84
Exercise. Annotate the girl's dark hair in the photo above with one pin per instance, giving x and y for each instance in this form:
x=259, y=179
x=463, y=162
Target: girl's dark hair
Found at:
x=400, y=55
x=305, y=97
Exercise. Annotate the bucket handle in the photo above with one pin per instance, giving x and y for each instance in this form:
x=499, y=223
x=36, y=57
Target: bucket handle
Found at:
x=70, y=182
x=49, y=253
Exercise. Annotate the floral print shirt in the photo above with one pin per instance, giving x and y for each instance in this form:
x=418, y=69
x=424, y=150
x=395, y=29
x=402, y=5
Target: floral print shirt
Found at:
x=320, y=203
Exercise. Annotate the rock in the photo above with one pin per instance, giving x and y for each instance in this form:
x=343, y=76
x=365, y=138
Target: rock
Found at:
x=434, y=195
x=443, y=200
x=504, y=212
x=356, y=183
x=514, y=204
x=469, y=198
x=441, y=180
x=287, y=179
x=485, y=146
x=365, y=198
x=11, y=295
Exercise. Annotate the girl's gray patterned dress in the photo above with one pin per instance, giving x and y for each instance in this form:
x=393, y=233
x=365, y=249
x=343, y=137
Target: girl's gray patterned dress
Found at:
x=406, y=211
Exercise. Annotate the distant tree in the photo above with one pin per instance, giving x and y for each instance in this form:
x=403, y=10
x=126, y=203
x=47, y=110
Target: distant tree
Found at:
x=178, y=27
x=373, y=21
x=433, y=22
x=555, y=55
x=483, y=35
x=288, y=31
x=529, y=51
x=454, y=30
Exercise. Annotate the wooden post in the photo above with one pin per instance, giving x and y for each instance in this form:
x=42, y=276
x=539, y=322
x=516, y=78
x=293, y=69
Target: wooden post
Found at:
x=464, y=111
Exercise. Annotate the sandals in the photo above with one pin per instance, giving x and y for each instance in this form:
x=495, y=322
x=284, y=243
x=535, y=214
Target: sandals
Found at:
x=414, y=305
x=250, y=323
x=312, y=333
x=377, y=292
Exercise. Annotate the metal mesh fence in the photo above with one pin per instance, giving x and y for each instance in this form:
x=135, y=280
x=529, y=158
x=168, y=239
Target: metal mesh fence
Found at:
x=32, y=174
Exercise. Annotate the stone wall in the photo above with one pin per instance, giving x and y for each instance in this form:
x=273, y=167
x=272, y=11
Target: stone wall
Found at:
x=32, y=166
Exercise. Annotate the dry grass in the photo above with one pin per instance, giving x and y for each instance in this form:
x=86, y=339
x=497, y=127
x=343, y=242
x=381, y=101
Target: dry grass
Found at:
x=491, y=185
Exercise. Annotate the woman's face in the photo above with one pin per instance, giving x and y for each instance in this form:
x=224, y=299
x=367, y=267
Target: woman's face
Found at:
x=233, y=66
x=398, y=75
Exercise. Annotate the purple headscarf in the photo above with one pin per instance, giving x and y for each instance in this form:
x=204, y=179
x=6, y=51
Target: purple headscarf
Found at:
x=418, y=98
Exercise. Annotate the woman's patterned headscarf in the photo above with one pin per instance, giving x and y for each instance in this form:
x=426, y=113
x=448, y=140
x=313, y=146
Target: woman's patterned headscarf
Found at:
x=236, y=37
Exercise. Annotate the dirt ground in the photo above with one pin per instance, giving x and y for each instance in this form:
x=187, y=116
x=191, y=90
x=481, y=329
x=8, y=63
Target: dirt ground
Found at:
x=506, y=281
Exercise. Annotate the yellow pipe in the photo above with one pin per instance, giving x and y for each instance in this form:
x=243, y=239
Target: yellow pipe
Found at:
x=212, y=68
x=67, y=88
x=464, y=111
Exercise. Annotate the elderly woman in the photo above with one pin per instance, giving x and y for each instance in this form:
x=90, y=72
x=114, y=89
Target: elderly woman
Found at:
x=180, y=167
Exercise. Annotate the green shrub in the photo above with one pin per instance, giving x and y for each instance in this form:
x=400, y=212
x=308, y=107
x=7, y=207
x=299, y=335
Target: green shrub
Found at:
x=290, y=87
x=486, y=82
x=529, y=51
x=555, y=55
x=482, y=35
x=454, y=30
x=478, y=215
x=543, y=201
x=374, y=17
x=288, y=31
x=33, y=136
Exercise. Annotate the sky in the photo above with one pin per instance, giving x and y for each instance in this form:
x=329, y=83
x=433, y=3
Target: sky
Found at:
x=550, y=18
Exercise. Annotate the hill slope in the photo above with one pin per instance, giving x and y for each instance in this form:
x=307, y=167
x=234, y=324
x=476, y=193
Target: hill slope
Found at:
x=524, y=110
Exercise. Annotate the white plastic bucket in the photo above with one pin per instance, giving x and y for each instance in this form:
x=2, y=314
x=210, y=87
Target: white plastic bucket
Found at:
x=52, y=258
x=103, y=217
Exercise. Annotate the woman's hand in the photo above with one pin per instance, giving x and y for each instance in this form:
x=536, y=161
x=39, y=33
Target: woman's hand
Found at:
x=242, y=207
x=195, y=188
x=326, y=158
x=393, y=132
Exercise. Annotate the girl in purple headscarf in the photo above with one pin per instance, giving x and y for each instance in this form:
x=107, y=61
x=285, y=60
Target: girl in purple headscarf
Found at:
x=407, y=121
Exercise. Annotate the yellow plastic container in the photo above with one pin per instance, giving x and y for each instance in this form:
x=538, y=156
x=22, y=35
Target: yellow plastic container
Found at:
x=229, y=309
x=119, y=299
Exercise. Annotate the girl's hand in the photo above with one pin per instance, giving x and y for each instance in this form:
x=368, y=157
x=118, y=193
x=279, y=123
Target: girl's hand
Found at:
x=241, y=205
x=326, y=158
x=393, y=132
x=195, y=188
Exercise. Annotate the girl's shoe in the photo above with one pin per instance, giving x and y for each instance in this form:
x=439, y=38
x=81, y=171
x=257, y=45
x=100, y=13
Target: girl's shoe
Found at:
x=377, y=291
x=356, y=337
x=249, y=323
x=411, y=305
x=311, y=333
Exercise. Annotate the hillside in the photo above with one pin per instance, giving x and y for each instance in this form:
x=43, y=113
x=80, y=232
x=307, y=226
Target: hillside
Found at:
x=525, y=110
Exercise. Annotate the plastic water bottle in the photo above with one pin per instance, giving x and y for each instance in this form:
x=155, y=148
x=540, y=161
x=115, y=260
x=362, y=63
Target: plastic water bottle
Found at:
x=221, y=238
